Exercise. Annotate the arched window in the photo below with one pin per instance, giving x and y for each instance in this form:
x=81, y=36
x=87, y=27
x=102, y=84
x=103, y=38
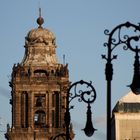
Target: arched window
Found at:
x=40, y=72
x=40, y=118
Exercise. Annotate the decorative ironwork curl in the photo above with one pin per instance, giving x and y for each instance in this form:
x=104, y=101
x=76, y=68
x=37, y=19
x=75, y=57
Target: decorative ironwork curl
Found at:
x=125, y=37
x=88, y=94
x=105, y=44
x=114, y=41
x=125, y=47
x=106, y=32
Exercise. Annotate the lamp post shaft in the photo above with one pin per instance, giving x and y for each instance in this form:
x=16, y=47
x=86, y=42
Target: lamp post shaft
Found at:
x=108, y=110
x=109, y=74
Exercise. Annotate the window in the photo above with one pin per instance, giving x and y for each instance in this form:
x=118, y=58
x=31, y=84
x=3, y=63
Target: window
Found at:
x=41, y=73
x=55, y=104
x=39, y=101
x=24, y=109
x=40, y=118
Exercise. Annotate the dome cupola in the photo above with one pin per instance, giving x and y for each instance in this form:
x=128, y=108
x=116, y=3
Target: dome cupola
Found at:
x=40, y=46
x=40, y=34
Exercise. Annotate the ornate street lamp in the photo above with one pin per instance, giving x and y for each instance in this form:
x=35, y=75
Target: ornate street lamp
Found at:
x=88, y=96
x=120, y=36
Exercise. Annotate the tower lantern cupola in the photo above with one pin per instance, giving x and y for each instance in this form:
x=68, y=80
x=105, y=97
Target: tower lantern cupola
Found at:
x=40, y=46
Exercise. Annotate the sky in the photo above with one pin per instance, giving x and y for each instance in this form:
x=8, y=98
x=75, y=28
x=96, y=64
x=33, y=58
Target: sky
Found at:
x=79, y=27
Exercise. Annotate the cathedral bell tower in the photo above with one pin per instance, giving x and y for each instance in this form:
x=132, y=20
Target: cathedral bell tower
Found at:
x=38, y=89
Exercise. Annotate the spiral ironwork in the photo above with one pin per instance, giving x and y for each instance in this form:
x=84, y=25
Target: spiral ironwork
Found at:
x=82, y=94
x=119, y=37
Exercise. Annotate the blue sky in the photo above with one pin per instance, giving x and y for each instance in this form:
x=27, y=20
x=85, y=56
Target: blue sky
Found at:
x=79, y=29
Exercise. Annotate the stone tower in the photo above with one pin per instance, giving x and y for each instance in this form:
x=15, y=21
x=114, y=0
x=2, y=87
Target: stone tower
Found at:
x=38, y=89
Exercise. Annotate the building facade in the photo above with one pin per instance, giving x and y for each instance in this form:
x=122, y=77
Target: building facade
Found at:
x=126, y=118
x=38, y=89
